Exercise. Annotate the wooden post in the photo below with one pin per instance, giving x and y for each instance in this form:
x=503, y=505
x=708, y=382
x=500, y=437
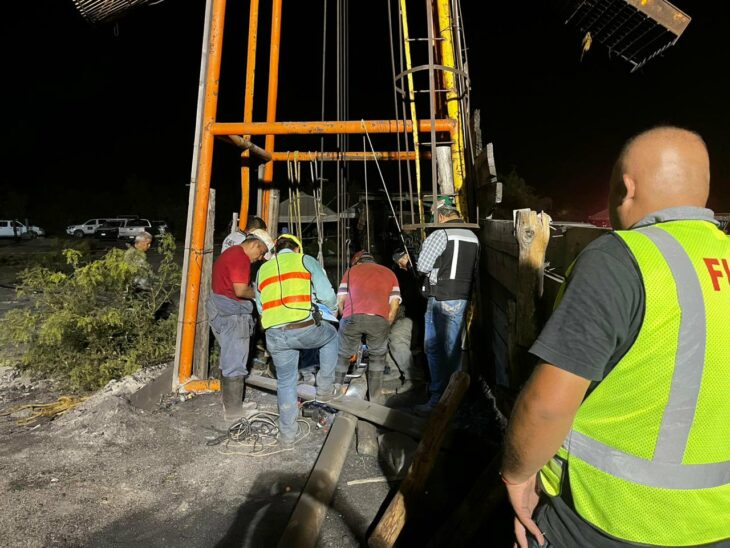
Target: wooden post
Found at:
x=404, y=504
x=532, y=231
x=202, y=331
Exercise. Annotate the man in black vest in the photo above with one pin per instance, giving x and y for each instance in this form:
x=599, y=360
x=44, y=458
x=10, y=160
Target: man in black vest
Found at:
x=448, y=257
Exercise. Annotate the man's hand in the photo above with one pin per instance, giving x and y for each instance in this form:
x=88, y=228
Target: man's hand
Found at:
x=243, y=291
x=524, y=498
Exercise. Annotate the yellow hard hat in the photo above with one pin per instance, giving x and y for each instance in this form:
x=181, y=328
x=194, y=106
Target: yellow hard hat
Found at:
x=293, y=239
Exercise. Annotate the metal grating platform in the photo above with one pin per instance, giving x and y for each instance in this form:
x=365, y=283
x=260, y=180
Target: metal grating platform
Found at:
x=103, y=11
x=635, y=30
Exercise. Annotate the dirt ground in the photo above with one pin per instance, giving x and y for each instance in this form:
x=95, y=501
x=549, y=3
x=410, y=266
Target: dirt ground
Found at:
x=108, y=473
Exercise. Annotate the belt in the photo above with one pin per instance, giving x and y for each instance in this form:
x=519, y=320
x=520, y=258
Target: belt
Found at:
x=297, y=325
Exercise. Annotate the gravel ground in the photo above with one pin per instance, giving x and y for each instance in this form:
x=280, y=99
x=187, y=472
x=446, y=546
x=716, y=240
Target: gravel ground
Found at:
x=109, y=474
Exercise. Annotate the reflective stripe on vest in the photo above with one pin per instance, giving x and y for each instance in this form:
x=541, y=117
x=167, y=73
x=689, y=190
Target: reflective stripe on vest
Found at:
x=285, y=286
x=653, y=466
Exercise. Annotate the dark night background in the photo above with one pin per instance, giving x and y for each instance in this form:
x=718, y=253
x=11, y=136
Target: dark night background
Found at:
x=99, y=120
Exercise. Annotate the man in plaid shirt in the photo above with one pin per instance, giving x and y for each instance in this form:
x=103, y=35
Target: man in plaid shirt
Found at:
x=448, y=256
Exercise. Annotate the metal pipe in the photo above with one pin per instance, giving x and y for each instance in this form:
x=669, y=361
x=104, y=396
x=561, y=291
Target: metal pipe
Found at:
x=412, y=102
x=432, y=99
x=205, y=161
x=253, y=26
x=352, y=155
x=271, y=102
x=306, y=520
x=326, y=128
x=193, y=178
x=452, y=94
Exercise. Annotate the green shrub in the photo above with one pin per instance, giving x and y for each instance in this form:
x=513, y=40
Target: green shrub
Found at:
x=89, y=323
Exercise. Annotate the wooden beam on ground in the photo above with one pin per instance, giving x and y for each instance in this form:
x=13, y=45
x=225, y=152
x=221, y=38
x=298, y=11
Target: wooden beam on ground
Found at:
x=202, y=331
x=305, y=523
x=463, y=523
x=405, y=503
x=366, y=410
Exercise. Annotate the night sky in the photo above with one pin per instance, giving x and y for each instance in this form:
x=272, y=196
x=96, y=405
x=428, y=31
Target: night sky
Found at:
x=99, y=120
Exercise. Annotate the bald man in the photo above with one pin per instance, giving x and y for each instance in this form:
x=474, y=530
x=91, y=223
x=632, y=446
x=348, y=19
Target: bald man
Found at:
x=623, y=425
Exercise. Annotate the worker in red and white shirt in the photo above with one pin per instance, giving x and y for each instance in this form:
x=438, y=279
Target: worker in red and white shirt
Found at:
x=368, y=301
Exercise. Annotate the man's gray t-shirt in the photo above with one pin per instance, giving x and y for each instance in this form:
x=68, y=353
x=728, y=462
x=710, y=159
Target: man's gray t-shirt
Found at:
x=597, y=322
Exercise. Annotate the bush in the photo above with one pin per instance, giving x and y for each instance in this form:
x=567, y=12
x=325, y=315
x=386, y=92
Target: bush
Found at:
x=91, y=323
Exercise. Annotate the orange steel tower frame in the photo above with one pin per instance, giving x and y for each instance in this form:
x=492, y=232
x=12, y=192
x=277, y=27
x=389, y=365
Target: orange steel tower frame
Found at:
x=211, y=127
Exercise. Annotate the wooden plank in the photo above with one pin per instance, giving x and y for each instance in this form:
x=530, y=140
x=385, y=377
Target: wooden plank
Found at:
x=202, y=330
x=499, y=231
x=394, y=518
x=366, y=410
x=499, y=295
x=503, y=268
x=508, y=248
x=500, y=324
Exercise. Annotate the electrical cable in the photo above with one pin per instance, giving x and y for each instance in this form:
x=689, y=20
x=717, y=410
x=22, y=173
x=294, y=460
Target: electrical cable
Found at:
x=256, y=436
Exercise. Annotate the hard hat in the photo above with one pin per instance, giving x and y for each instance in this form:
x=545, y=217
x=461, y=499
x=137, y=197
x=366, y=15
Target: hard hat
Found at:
x=293, y=239
x=443, y=201
x=264, y=236
x=361, y=256
x=398, y=254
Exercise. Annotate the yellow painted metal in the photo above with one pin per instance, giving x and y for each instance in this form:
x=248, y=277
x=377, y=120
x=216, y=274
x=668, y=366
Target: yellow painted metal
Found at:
x=446, y=43
x=412, y=98
x=253, y=28
x=271, y=102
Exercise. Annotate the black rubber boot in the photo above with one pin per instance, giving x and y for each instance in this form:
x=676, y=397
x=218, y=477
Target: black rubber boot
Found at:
x=232, y=396
x=375, y=387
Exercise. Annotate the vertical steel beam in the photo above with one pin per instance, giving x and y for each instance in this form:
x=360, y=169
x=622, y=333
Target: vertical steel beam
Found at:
x=253, y=27
x=446, y=42
x=271, y=103
x=193, y=180
x=205, y=161
x=412, y=101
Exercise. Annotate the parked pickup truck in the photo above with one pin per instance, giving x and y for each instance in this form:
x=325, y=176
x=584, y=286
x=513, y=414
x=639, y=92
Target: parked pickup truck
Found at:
x=90, y=227
x=16, y=229
x=131, y=227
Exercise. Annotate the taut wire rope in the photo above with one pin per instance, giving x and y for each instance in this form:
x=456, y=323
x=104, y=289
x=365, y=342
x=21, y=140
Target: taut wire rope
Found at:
x=385, y=187
x=367, y=196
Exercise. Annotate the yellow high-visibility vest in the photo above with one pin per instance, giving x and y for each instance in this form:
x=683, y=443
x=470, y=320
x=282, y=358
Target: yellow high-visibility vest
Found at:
x=285, y=286
x=648, y=457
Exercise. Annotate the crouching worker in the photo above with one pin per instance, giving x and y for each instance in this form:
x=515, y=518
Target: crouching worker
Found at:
x=368, y=299
x=288, y=289
x=229, y=310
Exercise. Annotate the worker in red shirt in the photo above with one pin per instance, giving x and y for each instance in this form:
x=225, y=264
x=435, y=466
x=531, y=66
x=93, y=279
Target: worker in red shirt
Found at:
x=230, y=308
x=368, y=300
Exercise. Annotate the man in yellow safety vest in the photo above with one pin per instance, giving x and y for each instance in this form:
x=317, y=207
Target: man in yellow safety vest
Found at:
x=623, y=425
x=289, y=289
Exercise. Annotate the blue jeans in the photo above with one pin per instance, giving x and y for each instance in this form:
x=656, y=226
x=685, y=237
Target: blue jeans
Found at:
x=442, y=344
x=284, y=346
x=232, y=325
